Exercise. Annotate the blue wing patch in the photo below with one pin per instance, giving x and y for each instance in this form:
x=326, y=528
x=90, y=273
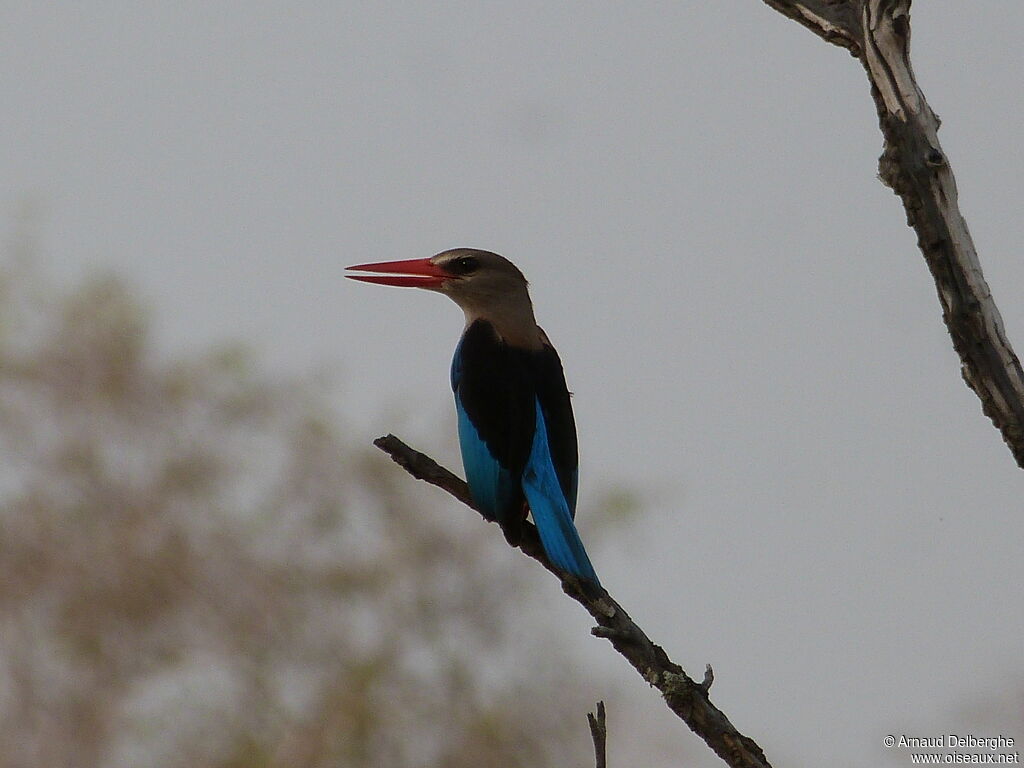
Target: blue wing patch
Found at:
x=492, y=487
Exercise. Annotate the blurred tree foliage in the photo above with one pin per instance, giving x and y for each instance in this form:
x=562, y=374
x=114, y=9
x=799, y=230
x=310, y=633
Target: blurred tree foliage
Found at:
x=198, y=567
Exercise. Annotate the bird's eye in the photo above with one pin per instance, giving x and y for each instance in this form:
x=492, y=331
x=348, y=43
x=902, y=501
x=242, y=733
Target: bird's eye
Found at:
x=464, y=266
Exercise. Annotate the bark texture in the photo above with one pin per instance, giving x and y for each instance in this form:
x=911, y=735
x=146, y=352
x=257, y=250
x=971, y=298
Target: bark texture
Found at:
x=684, y=696
x=877, y=32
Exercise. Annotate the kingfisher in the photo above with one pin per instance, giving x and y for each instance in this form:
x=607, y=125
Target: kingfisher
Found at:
x=516, y=429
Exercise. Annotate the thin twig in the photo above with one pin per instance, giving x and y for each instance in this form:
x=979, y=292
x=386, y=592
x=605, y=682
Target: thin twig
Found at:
x=599, y=733
x=684, y=696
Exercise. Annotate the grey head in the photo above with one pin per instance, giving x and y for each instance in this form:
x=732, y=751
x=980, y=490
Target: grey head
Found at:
x=489, y=287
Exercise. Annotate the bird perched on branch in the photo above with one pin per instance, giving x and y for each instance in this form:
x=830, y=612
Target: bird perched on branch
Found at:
x=516, y=428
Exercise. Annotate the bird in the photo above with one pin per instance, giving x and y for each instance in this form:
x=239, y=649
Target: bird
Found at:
x=517, y=433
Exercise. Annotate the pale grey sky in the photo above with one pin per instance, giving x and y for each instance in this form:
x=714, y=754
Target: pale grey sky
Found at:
x=752, y=337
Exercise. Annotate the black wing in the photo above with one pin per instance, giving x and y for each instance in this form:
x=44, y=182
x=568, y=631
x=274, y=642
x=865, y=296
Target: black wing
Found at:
x=494, y=392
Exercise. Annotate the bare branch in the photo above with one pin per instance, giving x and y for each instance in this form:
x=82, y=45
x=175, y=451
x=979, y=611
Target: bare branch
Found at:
x=837, y=22
x=684, y=696
x=913, y=164
x=599, y=733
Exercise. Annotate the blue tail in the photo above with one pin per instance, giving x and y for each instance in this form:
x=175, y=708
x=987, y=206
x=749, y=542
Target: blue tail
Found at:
x=551, y=510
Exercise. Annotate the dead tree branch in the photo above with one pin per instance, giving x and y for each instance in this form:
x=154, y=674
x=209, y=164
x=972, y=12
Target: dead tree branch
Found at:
x=877, y=32
x=684, y=696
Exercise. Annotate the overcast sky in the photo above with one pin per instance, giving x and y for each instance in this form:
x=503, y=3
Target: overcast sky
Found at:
x=753, y=339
